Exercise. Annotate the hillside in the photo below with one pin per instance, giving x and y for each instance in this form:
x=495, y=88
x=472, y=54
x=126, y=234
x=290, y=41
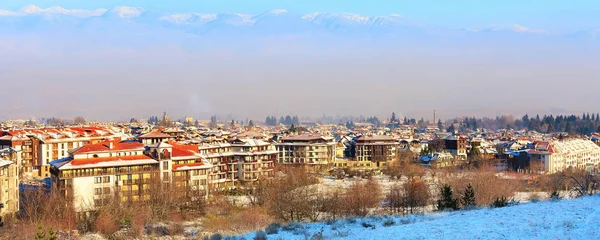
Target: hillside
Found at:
x=567, y=219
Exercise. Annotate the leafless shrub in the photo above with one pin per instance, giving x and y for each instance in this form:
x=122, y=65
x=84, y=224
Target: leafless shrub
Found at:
x=408, y=198
x=361, y=197
x=488, y=187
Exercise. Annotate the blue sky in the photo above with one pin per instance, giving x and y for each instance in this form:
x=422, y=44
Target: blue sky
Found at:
x=550, y=14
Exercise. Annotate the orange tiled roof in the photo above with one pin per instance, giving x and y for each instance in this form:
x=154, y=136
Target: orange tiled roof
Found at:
x=108, y=159
x=154, y=134
x=182, y=153
x=105, y=146
x=188, y=147
x=175, y=167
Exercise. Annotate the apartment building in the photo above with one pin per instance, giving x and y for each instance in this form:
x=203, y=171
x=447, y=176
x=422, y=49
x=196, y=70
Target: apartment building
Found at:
x=376, y=148
x=9, y=183
x=311, y=150
x=457, y=146
x=95, y=173
x=256, y=159
x=153, y=137
x=559, y=155
x=224, y=171
x=182, y=168
x=39, y=147
x=129, y=170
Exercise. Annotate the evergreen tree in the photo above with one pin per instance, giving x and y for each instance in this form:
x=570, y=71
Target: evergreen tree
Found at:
x=468, y=197
x=350, y=125
x=213, y=122
x=446, y=201
x=292, y=129
x=282, y=120
x=551, y=128
x=251, y=123
x=393, y=119
x=474, y=153
x=232, y=123
x=288, y=120
x=440, y=125
x=451, y=129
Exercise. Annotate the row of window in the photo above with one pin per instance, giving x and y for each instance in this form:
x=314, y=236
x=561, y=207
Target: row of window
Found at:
x=105, y=179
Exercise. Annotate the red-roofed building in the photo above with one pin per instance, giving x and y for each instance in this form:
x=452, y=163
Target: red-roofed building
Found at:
x=153, y=137
x=94, y=173
x=41, y=146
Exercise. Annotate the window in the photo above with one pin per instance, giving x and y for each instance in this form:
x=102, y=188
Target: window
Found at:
x=165, y=165
x=165, y=176
x=97, y=191
x=106, y=179
x=106, y=190
x=195, y=183
x=97, y=180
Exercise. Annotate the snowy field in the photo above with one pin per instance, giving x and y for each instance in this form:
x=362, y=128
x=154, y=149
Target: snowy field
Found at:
x=567, y=219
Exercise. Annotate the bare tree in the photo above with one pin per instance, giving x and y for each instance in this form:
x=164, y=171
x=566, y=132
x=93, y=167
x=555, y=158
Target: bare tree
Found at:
x=362, y=197
x=79, y=121
x=582, y=182
x=291, y=198
x=416, y=195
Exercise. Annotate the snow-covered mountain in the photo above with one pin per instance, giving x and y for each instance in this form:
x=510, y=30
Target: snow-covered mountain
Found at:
x=129, y=20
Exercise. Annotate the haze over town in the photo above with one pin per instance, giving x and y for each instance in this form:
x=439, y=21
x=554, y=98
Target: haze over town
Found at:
x=118, y=62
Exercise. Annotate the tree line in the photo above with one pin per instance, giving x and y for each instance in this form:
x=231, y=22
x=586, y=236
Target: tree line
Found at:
x=583, y=124
x=287, y=120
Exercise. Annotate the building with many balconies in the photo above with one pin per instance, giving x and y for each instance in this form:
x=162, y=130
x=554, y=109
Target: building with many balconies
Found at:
x=311, y=150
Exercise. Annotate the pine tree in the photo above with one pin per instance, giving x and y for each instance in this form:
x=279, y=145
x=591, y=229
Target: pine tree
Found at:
x=447, y=202
x=440, y=125
x=468, y=198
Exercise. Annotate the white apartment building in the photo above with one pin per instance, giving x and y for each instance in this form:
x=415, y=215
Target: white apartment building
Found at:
x=310, y=150
x=559, y=155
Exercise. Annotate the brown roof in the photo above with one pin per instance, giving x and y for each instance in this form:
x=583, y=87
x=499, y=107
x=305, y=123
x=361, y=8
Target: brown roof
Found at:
x=303, y=137
x=375, y=138
x=154, y=134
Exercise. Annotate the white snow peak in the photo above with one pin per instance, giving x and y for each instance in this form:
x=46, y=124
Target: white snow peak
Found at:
x=54, y=10
x=127, y=12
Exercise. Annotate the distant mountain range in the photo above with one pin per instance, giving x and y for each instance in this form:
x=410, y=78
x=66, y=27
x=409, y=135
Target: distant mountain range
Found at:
x=130, y=20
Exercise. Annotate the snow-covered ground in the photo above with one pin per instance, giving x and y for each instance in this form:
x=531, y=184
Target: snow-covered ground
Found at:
x=567, y=219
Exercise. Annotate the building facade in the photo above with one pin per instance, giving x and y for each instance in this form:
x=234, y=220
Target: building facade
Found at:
x=559, y=155
x=9, y=183
x=457, y=146
x=256, y=159
x=39, y=147
x=311, y=150
x=380, y=149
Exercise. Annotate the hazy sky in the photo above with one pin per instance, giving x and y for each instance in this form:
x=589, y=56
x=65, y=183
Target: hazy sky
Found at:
x=116, y=76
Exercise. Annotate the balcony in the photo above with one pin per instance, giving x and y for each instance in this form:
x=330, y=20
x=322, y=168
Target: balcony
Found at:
x=136, y=181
